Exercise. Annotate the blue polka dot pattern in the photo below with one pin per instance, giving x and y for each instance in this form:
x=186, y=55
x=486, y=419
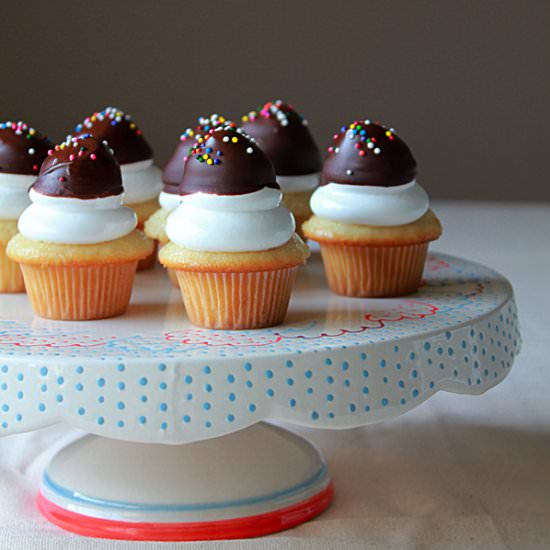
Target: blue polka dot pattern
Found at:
x=161, y=391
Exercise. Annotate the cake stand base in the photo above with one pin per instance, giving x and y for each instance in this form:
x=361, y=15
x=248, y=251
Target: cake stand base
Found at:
x=256, y=481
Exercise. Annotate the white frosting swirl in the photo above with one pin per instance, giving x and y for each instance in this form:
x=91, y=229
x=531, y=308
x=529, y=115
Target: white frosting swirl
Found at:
x=141, y=181
x=370, y=205
x=295, y=184
x=76, y=221
x=14, y=194
x=231, y=223
x=169, y=201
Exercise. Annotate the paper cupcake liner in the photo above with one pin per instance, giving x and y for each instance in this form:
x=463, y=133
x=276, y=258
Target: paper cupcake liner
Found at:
x=236, y=301
x=11, y=278
x=150, y=261
x=68, y=293
x=172, y=275
x=374, y=271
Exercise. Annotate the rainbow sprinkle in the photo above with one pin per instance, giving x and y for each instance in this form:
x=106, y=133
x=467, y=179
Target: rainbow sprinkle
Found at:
x=116, y=116
x=359, y=131
x=275, y=109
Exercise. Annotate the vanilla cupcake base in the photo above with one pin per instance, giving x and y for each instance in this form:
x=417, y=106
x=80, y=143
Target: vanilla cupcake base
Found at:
x=155, y=229
x=11, y=278
x=144, y=211
x=79, y=282
x=234, y=301
x=236, y=290
x=374, y=271
x=298, y=204
x=68, y=293
x=373, y=261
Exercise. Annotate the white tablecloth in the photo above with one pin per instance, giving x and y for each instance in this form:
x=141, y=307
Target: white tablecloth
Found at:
x=457, y=472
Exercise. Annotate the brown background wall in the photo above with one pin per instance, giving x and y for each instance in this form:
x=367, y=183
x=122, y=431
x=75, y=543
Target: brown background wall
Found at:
x=466, y=84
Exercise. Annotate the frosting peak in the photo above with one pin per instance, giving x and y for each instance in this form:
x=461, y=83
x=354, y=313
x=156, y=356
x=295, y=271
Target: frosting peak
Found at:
x=226, y=161
x=366, y=153
x=121, y=133
x=81, y=167
x=284, y=136
x=22, y=148
x=172, y=173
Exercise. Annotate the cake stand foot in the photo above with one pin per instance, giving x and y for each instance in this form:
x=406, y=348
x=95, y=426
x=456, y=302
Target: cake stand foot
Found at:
x=253, y=482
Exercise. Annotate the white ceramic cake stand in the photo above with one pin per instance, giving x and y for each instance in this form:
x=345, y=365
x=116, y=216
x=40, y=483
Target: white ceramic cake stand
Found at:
x=180, y=450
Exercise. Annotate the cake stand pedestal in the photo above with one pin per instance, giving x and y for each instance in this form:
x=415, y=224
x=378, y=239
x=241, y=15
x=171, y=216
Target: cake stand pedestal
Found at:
x=180, y=449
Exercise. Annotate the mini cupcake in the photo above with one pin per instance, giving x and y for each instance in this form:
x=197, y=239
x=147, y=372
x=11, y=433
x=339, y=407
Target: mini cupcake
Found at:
x=171, y=177
x=284, y=136
x=22, y=150
x=233, y=244
x=77, y=244
x=140, y=177
x=371, y=218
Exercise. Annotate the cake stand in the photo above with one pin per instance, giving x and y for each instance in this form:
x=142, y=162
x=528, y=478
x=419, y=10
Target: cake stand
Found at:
x=179, y=447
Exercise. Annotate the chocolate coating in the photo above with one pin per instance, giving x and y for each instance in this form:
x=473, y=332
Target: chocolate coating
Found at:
x=365, y=153
x=82, y=167
x=284, y=136
x=22, y=148
x=121, y=133
x=172, y=173
x=227, y=162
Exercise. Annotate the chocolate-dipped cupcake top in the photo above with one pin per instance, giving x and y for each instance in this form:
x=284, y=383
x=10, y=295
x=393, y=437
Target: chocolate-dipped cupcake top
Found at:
x=120, y=131
x=82, y=167
x=226, y=161
x=172, y=173
x=22, y=148
x=367, y=153
x=284, y=136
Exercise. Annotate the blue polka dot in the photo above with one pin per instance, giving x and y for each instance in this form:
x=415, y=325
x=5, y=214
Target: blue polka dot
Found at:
x=330, y=397
x=4, y=424
x=345, y=365
x=367, y=408
x=43, y=370
x=363, y=356
x=120, y=405
x=208, y=388
x=289, y=364
x=60, y=380
x=308, y=374
x=269, y=374
x=365, y=390
x=206, y=406
x=81, y=411
x=120, y=368
x=101, y=399
x=252, y=407
x=121, y=386
x=292, y=402
x=79, y=387
x=383, y=363
x=43, y=388
x=59, y=398
x=398, y=366
x=384, y=402
x=189, y=396
x=162, y=367
x=328, y=361
x=206, y=369
x=352, y=407
x=186, y=418
x=247, y=367
x=20, y=395
x=101, y=382
x=18, y=417
x=365, y=374
x=79, y=370
x=401, y=384
x=142, y=420
x=290, y=381
x=120, y=424
x=270, y=393
x=163, y=385
x=415, y=393
x=414, y=373
x=412, y=355
x=230, y=418
x=188, y=379
x=20, y=377
x=5, y=408
x=427, y=346
x=402, y=401
x=143, y=399
x=232, y=396
x=315, y=415
x=230, y=378
x=330, y=380
x=249, y=383
x=143, y=381
x=208, y=424
x=4, y=386
x=100, y=420
x=163, y=426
